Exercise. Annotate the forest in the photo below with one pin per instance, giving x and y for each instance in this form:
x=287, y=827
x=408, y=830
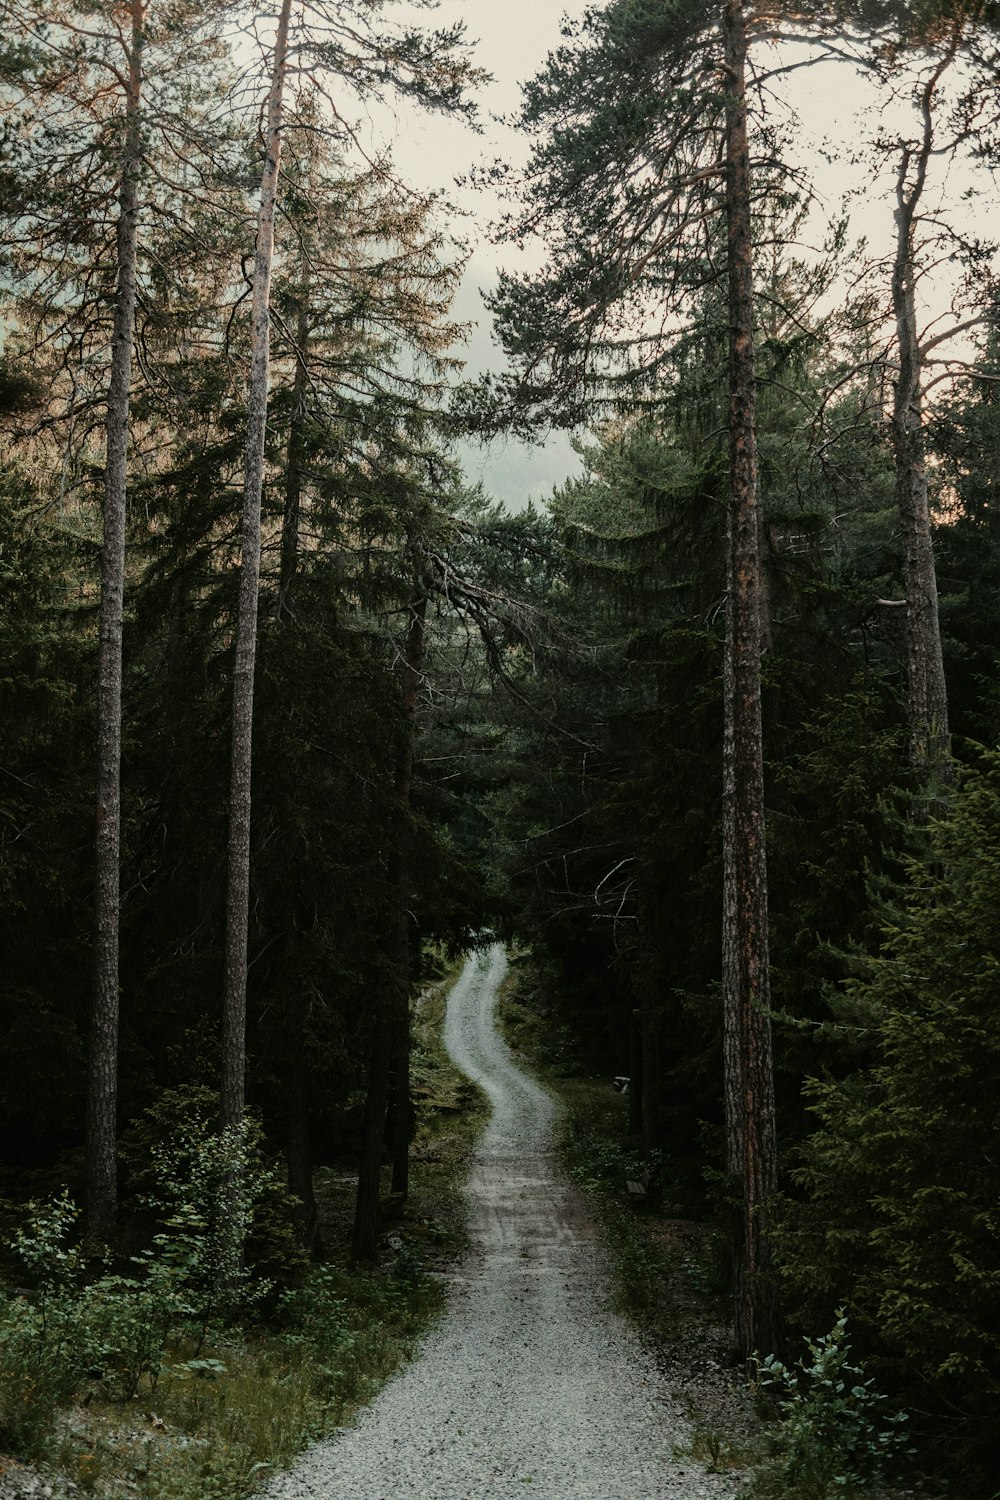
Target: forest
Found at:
x=292, y=715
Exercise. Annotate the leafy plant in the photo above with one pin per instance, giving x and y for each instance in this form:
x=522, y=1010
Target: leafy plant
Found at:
x=834, y=1433
x=181, y=1168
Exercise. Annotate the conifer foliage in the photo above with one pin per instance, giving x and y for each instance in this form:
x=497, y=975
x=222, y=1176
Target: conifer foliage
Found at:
x=341, y=715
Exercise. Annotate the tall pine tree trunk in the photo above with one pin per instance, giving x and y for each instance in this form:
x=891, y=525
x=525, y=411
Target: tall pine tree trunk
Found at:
x=747, y=980
x=298, y=1146
x=389, y=1054
x=102, y=1092
x=364, y=1240
x=238, y=894
x=296, y=439
x=927, y=691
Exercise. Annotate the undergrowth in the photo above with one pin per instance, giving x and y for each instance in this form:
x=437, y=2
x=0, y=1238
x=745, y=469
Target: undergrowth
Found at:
x=666, y=1263
x=821, y=1429
x=145, y=1381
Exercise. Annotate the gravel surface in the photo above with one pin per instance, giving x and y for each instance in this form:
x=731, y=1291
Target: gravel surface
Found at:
x=529, y=1385
x=19, y=1482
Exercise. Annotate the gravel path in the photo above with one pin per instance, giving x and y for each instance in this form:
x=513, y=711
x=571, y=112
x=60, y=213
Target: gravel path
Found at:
x=528, y=1385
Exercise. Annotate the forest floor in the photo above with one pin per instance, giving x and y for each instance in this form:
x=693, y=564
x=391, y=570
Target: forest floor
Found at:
x=530, y=1383
x=272, y=1385
x=581, y=1348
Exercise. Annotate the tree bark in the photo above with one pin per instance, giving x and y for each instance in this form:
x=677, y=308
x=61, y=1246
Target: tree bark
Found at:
x=927, y=691
x=102, y=1095
x=298, y=1147
x=293, y=480
x=745, y=947
x=238, y=894
x=635, y=1110
x=389, y=1059
x=651, y=1081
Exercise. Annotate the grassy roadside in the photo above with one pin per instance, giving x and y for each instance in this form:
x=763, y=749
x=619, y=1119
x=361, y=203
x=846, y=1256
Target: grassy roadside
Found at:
x=667, y=1262
x=827, y=1436
x=210, y=1420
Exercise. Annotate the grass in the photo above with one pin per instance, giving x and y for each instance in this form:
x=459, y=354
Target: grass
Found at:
x=256, y=1396
x=668, y=1264
x=215, y=1437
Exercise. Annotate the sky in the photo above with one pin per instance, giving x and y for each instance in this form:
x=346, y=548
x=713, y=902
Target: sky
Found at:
x=837, y=114
x=513, y=39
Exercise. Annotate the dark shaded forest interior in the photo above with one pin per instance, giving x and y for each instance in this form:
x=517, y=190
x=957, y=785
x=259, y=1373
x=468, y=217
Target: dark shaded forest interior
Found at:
x=709, y=740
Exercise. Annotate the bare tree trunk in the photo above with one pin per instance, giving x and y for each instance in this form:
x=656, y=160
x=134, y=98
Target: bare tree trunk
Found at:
x=650, y=1072
x=635, y=1086
x=927, y=691
x=298, y=1147
x=238, y=894
x=732, y=978
x=746, y=950
x=293, y=483
x=401, y=1107
x=102, y=1092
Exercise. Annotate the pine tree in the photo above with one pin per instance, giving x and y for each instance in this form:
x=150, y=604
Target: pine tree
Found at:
x=69, y=70
x=640, y=123
x=345, y=42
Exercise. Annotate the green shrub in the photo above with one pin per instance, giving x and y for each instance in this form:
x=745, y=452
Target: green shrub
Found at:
x=115, y=1333
x=901, y=1181
x=834, y=1436
x=37, y=1375
x=230, y=1246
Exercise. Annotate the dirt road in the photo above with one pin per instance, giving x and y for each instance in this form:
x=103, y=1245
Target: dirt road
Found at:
x=529, y=1385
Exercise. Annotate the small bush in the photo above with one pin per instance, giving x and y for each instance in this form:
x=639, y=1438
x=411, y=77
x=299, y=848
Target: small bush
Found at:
x=834, y=1436
x=37, y=1375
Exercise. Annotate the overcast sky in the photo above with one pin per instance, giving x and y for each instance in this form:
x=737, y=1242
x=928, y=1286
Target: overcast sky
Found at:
x=513, y=38
x=836, y=117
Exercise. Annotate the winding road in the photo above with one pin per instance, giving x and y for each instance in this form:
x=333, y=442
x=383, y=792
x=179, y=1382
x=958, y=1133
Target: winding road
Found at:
x=529, y=1385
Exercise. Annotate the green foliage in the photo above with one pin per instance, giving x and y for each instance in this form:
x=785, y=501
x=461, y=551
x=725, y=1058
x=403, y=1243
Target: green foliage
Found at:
x=116, y=1331
x=45, y=823
x=899, y=1182
x=111, y=1332
x=214, y=1198
x=965, y=435
x=834, y=1435
x=36, y=1377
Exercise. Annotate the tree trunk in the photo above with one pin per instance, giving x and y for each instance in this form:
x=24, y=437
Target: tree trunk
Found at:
x=102, y=1094
x=298, y=1146
x=649, y=1073
x=635, y=1111
x=746, y=945
x=293, y=480
x=732, y=979
x=401, y=1108
x=927, y=691
x=238, y=894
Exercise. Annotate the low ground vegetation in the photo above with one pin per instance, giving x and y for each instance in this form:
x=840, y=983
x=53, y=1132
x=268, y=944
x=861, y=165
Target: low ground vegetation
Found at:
x=810, y=1429
x=185, y=1375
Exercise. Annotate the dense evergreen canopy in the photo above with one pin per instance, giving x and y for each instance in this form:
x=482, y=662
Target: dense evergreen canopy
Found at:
x=466, y=721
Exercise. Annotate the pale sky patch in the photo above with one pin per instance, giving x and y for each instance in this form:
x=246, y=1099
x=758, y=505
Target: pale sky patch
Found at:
x=837, y=112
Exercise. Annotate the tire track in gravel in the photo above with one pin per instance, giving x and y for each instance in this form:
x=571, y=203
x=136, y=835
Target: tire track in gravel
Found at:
x=529, y=1385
